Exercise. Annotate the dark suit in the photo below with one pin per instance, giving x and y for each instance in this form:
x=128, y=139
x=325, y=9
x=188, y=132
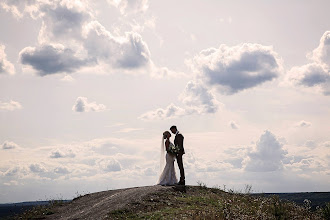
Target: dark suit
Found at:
x=178, y=141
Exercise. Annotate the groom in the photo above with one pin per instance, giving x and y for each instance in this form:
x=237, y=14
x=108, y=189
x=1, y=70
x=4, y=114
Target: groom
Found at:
x=178, y=141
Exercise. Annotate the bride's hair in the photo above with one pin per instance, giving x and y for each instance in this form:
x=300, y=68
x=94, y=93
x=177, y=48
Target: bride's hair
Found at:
x=165, y=134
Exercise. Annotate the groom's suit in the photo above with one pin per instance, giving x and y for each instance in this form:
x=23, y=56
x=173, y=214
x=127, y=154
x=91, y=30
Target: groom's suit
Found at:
x=178, y=141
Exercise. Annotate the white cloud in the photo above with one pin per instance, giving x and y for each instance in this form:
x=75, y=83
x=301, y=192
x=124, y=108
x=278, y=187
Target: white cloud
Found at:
x=62, y=154
x=6, y=67
x=196, y=99
x=303, y=124
x=199, y=99
x=322, y=53
x=233, y=125
x=165, y=73
x=109, y=165
x=311, y=144
x=10, y=106
x=37, y=168
x=7, y=145
x=61, y=170
x=127, y=130
x=171, y=111
x=129, y=6
x=67, y=78
x=71, y=38
x=317, y=73
x=82, y=105
x=127, y=52
x=268, y=154
x=233, y=69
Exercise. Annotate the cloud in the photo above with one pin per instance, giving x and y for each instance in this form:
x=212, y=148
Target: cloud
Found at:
x=51, y=59
x=171, y=111
x=109, y=165
x=67, y=78
x=127, y=52
x=61, y=170
x=10, y=106
x=233, y=69
x=322, y=53
x=127, y=130
x=233, y=125
x=303, y=124
x=71, y=38
x=317, y=73
x=60, y=154
x=199, y=99
x=82, y=105
x=128, y=6
x=7, y=145
x=6, y=67
x=267, y=156
x=37, y=168
x=13, y=171
x=164, y=72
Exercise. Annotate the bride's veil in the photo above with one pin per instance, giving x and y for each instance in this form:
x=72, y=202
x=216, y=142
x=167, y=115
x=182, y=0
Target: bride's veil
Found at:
x=162, y=156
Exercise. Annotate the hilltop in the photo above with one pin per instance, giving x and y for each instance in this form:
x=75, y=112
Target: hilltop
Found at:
x=160, y=202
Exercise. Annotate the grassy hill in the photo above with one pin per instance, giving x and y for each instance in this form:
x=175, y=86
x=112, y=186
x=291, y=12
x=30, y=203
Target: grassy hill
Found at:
x=191, y=202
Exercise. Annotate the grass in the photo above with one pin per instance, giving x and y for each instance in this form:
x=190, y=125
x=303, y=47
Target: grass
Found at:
x=201, y=202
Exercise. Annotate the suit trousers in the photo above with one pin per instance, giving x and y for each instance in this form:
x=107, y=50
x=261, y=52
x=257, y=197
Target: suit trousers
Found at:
x=180, y=165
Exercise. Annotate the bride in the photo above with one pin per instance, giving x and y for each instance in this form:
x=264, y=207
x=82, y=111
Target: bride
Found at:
x=167, y=177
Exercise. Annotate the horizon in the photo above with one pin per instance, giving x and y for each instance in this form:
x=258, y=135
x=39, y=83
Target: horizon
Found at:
x=87, y=89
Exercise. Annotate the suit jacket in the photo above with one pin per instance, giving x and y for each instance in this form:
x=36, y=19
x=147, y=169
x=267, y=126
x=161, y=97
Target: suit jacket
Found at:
x=178, y=141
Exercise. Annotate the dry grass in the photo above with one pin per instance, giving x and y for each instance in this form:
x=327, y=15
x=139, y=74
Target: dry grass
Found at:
x=200, y=202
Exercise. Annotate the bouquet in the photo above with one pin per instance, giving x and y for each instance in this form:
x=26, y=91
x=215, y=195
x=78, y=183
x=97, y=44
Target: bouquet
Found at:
x=173, y=149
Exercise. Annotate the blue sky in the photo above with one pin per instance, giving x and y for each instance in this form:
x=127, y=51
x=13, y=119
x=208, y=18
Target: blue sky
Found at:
x=87, y=89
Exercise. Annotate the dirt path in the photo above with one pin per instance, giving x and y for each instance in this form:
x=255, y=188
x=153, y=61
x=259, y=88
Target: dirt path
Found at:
x=98, y=205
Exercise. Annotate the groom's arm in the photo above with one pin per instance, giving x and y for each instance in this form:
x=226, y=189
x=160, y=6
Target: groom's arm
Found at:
x=180, y=140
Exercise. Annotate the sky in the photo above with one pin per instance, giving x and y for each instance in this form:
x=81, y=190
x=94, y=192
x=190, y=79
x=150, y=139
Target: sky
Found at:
x=88, y=87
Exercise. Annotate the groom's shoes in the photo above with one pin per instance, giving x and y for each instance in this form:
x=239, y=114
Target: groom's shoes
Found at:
x=182, y=182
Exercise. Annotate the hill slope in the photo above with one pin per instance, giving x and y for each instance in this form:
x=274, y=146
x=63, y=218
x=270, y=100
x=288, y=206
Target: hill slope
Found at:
x=159, y=202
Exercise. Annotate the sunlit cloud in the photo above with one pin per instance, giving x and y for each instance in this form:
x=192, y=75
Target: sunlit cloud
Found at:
x=10, y=106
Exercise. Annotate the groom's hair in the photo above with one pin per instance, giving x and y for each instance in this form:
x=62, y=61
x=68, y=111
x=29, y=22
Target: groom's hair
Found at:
x=173, y=127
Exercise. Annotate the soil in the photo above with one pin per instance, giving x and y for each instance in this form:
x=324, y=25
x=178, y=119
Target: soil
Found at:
x=99, y=205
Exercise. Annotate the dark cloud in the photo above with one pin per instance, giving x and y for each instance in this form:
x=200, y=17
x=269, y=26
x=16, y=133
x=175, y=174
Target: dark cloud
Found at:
x=51, y=59
x=233, y=69
x=268, y=154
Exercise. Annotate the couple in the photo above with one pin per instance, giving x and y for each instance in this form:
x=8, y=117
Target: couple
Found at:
x=174, y=151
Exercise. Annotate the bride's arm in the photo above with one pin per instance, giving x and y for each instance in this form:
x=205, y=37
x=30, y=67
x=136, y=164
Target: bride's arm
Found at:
x=167, y=144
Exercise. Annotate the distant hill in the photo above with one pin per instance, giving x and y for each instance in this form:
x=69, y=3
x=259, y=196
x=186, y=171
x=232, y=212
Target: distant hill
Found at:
x=190, y=202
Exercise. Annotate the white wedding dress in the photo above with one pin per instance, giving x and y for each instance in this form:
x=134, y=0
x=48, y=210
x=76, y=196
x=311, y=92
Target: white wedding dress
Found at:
x=168, y=176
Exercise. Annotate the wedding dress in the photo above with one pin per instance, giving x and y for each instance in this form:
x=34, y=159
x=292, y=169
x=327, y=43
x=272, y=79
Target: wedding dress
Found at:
x=168, y=176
